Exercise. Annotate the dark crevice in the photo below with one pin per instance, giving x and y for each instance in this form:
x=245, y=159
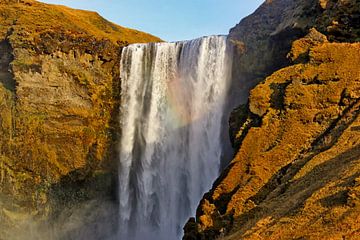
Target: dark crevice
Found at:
x=241, y=121
x=222, y=203
x=337, y=199
x=278, y=95
x=6, y=58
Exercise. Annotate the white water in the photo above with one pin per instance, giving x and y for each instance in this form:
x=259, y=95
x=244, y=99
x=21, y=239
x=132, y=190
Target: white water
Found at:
x=173, y=96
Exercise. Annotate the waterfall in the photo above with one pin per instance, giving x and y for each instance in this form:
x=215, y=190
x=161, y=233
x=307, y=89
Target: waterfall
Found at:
x=172, y=105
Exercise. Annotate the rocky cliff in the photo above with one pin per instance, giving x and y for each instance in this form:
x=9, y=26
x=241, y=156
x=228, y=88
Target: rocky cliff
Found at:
x=263, y=39
x=59, y=97
x=296, y=171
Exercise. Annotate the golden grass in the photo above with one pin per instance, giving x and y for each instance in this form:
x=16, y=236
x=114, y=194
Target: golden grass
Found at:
x=35, y=17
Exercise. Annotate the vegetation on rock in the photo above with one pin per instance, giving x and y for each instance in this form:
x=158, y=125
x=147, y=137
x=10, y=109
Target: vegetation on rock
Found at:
x=296, y=171
x=59, y=101
x=264, y=39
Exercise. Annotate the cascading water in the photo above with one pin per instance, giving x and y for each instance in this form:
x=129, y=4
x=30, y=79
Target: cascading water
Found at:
x=173, y=97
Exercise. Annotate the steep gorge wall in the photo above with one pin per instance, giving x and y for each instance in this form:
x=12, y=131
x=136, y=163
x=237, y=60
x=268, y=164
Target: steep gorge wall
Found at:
x=296, y=171
x=59, y=101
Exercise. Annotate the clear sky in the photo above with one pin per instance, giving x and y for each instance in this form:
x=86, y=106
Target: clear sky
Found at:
x=170, y=20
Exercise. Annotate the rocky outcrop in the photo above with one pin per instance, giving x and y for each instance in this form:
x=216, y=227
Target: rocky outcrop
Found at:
x=295, y=174
x=59, y=100
x=263, y=39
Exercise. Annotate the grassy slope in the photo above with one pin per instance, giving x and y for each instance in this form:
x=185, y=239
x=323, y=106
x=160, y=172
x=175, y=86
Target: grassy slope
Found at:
x=34, y=18
x=296, y=174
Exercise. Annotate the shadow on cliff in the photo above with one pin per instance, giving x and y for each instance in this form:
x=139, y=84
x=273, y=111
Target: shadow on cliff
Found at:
x=83, y=204
x=277, y=205
x=6, y=77
x=275, y=196
x=284, y=194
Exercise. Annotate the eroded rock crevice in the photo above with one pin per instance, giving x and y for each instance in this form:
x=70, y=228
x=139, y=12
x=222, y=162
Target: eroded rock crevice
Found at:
x=6, y=57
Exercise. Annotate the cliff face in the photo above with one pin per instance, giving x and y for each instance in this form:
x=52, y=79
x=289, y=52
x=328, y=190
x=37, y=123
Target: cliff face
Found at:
x=59, y=97
x=263, y=39
x=296, y=171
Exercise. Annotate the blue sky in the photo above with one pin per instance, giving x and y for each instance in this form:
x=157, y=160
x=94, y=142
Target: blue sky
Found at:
x=170, y=20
